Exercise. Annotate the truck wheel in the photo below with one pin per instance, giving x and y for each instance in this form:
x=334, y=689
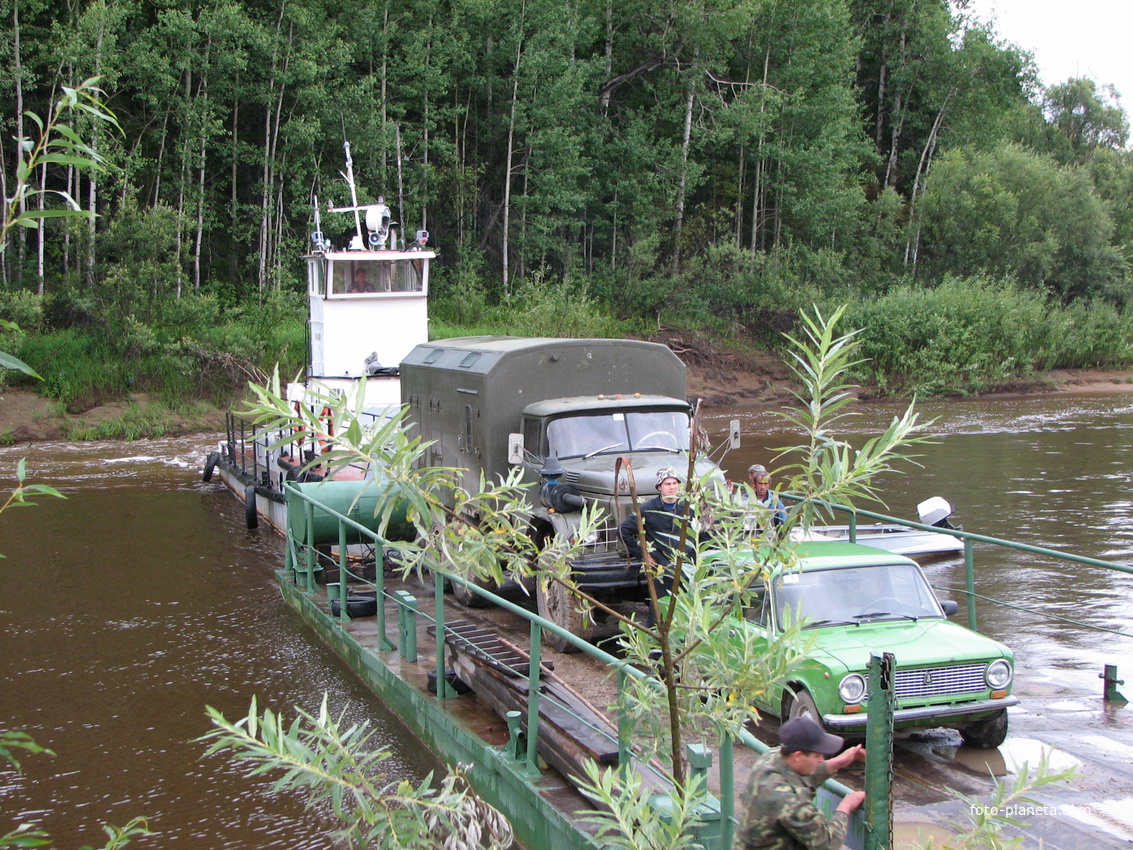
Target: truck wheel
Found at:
x=562, y=608
x=986, y=734
x=469, y=598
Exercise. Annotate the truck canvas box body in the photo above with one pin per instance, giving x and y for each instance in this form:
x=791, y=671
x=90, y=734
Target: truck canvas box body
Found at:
x=565, y=410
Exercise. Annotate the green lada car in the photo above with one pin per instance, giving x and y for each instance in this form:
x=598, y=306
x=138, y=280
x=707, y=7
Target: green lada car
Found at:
x=856, y=601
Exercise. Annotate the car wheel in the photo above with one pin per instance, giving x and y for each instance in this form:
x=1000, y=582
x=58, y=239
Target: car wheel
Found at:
x=986, y=734
x=802, y=705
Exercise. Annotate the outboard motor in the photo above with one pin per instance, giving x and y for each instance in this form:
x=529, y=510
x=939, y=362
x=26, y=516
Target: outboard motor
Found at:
x=554, y=495
x=935, y=512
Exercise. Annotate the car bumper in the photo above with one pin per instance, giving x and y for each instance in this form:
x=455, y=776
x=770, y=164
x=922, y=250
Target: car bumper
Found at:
x=926, y=713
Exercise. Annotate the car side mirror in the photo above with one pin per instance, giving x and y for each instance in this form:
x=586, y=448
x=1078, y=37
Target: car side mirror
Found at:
x=514, y=449
x=950, y=606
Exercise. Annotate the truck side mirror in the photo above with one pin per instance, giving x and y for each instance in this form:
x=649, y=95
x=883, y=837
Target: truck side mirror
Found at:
x=514, y=449
x=734, y=434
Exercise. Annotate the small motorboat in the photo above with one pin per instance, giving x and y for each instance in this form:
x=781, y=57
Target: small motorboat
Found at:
x=899, y=539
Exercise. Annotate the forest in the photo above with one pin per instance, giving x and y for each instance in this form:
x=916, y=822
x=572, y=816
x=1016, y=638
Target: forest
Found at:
x=584, y=167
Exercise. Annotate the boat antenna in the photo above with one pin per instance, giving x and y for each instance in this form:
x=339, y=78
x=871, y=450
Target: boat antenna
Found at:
x=317, y=236
x=349, y=175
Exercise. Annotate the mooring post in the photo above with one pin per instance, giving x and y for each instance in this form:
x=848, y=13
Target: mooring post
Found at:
x=343, y=577
x=879, y=750
x=406, y=624
x=1110, y=693
x=727, y=790
x=444, y=689
x=515, y=747
x=380, y=593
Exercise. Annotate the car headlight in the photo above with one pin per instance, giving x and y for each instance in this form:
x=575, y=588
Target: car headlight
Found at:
x=852, y=688
x=998, y=674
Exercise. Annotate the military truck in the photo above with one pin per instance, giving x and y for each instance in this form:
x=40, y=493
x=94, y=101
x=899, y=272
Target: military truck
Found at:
x=565, y=410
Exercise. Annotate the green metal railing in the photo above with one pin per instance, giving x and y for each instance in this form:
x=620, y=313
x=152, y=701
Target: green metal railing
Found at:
x=303, y=563
x=718, y=814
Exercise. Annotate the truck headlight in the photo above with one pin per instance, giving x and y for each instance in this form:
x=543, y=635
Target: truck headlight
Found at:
x=852, y=689
x=998, y=674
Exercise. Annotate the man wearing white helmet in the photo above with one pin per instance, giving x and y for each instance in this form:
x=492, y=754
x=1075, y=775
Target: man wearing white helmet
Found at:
x=661, y=517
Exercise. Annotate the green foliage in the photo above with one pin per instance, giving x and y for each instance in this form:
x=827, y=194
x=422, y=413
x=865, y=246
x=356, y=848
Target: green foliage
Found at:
x=763, y=291
x=57, y=144
x=540, y=306
x=829, y=469
x=333, y=766
x=196, y=350
x=10, y=334
x=77, y=366
x=1082, y=119
x=22, y=308
x=1086, y=335
x=630, y=820
x=976, y=334
x=1013, y=214
x=11, y=740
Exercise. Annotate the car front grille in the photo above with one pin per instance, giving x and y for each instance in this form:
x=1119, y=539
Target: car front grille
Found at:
x=939, y=681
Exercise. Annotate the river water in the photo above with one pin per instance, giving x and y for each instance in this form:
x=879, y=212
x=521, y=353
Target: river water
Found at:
x=129, y=607
x=125, y=610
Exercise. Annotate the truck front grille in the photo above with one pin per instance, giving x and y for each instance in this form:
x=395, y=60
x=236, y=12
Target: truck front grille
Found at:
x=939, y=681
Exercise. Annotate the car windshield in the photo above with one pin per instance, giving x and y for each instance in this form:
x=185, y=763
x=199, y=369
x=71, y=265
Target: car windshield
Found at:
x=854, y=595
x=606, y=433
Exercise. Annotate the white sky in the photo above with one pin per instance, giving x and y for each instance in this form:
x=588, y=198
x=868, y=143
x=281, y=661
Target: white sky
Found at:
x=1070, y=38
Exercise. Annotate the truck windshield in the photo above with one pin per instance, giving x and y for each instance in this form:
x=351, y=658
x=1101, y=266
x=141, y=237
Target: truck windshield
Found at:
x=610, y=433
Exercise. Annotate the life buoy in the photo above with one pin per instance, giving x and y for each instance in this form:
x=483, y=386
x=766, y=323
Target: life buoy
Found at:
x=210, y=465
x=251, y=517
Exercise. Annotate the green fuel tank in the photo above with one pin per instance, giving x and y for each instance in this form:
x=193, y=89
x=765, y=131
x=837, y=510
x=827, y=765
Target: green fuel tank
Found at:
x=357, y=500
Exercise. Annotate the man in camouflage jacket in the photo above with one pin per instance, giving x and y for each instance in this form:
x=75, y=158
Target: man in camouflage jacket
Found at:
x=777, y=806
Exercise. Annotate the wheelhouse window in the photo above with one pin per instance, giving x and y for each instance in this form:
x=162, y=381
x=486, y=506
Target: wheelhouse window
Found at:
x=365, y=277
x=612, y=433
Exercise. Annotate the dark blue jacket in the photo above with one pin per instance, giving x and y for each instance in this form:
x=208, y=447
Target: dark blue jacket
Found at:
x=662, y=530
